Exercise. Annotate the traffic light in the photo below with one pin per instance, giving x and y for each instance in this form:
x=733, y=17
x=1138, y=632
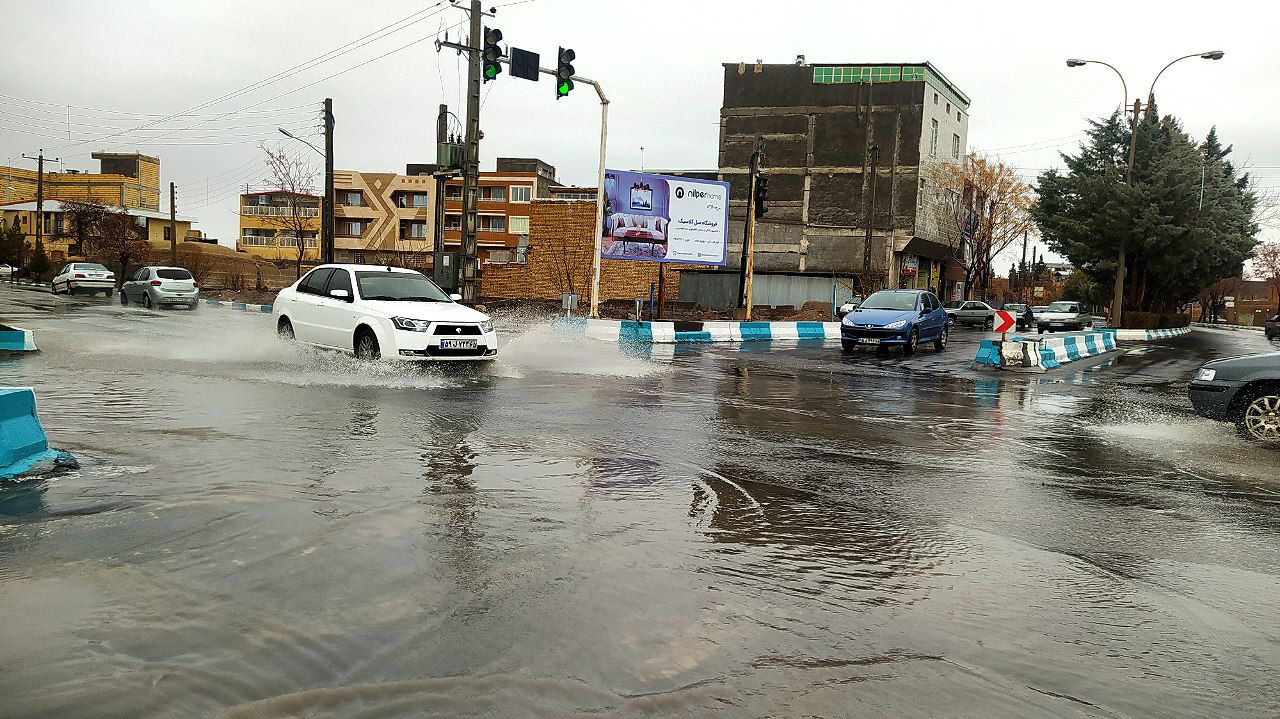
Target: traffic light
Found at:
x=762, y=196
x=564, y=71
x=492, y=60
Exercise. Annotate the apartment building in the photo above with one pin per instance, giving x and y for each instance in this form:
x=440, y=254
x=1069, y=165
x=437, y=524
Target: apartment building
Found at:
x=124, y=180
x=273, y=222
x=384, y=217
x=61, y=245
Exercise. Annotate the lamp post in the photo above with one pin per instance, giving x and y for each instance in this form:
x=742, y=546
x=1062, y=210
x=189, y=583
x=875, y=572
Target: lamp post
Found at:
x=1117, y=299
x=326, y=217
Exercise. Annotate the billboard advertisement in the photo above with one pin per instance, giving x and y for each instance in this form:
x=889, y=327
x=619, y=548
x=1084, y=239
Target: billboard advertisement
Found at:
x=664, y=219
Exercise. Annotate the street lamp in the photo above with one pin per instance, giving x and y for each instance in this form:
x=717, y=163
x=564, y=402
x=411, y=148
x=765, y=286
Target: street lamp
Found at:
x=291, y=136
x=1117, y=299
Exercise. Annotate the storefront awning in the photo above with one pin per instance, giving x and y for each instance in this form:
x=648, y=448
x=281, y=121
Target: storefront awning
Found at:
x=926, y=248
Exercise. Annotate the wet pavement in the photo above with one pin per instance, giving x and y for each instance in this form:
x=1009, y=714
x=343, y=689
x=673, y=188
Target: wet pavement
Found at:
x=259, y=530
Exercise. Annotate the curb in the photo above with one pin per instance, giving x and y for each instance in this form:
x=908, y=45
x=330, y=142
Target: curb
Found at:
x=16, y=339
x=1041, y=355
x=24, y=448
x=631, y=332
x=1228, y=327
x=1148, y=335
x=238, y=306
x=28, y=285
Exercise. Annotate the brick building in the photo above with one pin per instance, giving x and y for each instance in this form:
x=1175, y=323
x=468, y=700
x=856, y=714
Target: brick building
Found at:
x=126, y=180
x=561, y=245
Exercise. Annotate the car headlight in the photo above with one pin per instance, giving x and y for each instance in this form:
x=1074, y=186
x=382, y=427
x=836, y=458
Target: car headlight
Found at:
x=848, y=320
x=410, y=325
x=896, y=325
x=486, y=327
x=1206, y=375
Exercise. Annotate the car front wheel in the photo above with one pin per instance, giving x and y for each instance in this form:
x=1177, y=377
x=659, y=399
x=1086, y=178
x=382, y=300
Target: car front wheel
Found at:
x=913, y=339
x=367, y=346
x=284, y=329
x=990, y=324
x=941, y=343
x=1261, y=418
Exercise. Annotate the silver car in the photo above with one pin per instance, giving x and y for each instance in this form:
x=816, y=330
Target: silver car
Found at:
x=160, y=286
x=971, y=312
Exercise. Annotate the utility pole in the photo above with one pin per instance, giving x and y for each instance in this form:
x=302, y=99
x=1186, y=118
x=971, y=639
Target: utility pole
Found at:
x=1022, y=270
x=173, y=225
x=39, y=158
x=749, y=233
x=871, y=212
x=471, y=165
x=326, y=220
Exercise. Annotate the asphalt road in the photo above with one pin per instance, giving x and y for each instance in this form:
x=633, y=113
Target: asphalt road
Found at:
x=259, y=530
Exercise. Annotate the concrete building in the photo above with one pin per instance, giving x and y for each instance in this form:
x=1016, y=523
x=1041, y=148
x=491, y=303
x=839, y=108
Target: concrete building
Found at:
x=268, y=228
x=61, y=245
x=847, y=146
x=384, y=217
x=125, y=180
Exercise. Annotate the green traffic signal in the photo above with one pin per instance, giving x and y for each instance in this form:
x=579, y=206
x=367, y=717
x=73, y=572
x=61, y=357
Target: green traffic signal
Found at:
x=490, y=71
x=564, y=87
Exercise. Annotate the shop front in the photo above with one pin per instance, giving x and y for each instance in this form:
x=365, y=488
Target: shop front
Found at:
x=920, y=266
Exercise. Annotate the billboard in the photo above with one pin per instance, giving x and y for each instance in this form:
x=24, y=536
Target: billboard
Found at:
x=664, y=219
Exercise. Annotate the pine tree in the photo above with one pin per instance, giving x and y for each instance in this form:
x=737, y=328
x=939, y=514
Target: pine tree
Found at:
x=39, y=263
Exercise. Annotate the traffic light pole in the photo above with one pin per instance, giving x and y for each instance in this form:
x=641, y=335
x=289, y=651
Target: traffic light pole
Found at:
x=471, y=164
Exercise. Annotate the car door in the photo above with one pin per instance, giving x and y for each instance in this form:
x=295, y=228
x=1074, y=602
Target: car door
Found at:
x=57, y=282
x=937, y=318
x=306, y=311
x=132, y=286
x=968, y=312
x=336, y=318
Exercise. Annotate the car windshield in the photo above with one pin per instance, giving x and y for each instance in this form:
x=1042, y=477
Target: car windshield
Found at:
x=1063, y=307
x=890, y=301
x=174, y=274
x=90, y=266
x=1014, y=308
x=399, y=287
x=954, y=304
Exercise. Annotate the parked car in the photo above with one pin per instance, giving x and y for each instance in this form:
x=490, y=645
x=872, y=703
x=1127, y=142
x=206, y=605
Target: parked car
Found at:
x=973, y=312
x=83, y=277
x=1021, y=314
x=849, y=306
x=7, y=272
x=160, y=286
x=897, y=317
x=375, y=311
x=1244, y=390
x=1064, y=316
x=1273, y=328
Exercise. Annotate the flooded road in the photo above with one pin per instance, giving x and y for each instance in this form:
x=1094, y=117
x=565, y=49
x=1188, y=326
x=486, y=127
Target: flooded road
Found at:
x=259, y=530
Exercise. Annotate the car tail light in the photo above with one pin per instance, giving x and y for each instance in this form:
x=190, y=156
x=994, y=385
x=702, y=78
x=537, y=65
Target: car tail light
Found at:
x=111, y=276
x=80, y=276
x=156, y=283
x=195, y=284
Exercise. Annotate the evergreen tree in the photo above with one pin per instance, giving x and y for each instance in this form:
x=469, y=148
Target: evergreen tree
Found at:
x=39, y=263
x=11, y=244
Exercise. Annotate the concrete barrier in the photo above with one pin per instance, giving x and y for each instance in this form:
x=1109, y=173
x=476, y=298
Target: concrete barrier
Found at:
x=632, y=332
x=238, y=306
x=16, y=339
x=1148, y=335
x=23, y=445
x=1044, y=353
x=1255, y=328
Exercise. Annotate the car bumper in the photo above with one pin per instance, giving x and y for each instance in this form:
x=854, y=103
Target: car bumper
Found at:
x=91, y=284
x=873, y=336
x=1212, y=399
x=422, y=347
x=173, y=298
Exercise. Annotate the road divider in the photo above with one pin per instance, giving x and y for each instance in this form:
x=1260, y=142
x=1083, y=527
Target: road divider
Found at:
x=24, y=448
x=1148, y=335
x=1228, y=327
x=632, y=332
x=247, y=307
x=16, y=339
x=1044, y=353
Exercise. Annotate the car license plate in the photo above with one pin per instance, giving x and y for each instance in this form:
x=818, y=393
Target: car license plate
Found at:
x=457, y=344
x=869, y=340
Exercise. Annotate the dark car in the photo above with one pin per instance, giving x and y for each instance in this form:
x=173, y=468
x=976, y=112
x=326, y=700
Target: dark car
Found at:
x=1021, y=314
x=1273, y=328
x=896, y=317
x=1244, y=390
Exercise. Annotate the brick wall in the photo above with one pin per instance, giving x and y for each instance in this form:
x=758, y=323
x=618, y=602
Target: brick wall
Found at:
x=561, y=246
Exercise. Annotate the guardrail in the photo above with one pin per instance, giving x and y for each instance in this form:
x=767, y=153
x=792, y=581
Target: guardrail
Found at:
x=632, y=332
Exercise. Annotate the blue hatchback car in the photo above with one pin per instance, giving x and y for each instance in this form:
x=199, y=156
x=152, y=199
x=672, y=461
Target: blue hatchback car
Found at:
x=896, y=317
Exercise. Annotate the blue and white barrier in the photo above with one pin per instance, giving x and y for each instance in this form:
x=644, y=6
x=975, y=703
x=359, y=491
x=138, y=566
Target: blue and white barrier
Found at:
x=16, y=339
x=239, y=306
x=24, y=449
x=1045, y=353
x=1148, y=335
x=631, y=332
x=27, y=285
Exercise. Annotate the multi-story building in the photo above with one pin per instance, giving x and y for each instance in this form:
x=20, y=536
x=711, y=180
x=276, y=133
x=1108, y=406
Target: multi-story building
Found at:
x=382, y=216
x=847, y=147
x=57, y=238
x=273, y=222
x=125, y=180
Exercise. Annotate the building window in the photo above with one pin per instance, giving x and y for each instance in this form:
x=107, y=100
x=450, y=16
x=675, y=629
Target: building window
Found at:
x=351, y=198
x=413, y=230
x=957, y=116
x=500, y=257
x=453, y=222
x=955, y=146
x=519, y=225
x=256, y=237
x=935, y=98
x=348, y=228
x=412, y=199
x=453, y=192
x=873, y=74
x=494, y=193
x=933, y=137
x=948, y=108
x=492, y=223
x=521, y=193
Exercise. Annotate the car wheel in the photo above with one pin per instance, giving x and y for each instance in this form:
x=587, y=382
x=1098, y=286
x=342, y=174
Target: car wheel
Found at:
x=110, y=292
x=941, y=343
x=913, y=339
x=1260, y=420
x=124, y=298
x=990, y=324
x=146, y=301
x=367, y=346
x=847, y=346
x=284, y=329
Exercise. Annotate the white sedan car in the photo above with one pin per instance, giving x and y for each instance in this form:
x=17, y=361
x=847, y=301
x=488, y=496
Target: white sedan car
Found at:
x=83, y=277
x=374, y=311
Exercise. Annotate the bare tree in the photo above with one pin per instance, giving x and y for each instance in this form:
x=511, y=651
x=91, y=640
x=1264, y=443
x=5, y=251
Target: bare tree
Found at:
x=113, y=237
x=1266, y=265
x=983, y=204
x=569, y=260
x=298, y=215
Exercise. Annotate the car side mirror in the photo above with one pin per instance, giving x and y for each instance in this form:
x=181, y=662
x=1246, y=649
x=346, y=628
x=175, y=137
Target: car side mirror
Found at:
x=455, y=297
x=344, y=295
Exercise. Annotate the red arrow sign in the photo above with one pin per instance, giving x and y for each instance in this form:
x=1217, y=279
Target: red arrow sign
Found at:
x=1004, y=321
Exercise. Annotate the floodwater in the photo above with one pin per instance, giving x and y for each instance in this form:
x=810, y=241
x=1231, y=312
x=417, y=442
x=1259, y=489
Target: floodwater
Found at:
x=263, y=531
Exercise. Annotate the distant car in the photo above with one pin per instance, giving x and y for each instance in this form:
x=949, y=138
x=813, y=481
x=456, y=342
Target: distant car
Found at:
x=83, y=277
x=1020, y=314
x=376, y=312
x=974, y=312
x=160, y=286
x=896, y=317
x=7, y=272
x=1064, y=316
x=1273, y=328
x=849, y=306
x=1244, y=390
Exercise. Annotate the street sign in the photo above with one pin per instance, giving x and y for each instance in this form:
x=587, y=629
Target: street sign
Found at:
x=1004, y=321
x=524, y=64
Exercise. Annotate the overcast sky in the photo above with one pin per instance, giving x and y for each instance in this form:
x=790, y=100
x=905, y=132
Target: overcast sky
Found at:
x=77, y=72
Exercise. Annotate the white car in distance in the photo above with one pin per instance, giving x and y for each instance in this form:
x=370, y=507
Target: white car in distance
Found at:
x=373, y=311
